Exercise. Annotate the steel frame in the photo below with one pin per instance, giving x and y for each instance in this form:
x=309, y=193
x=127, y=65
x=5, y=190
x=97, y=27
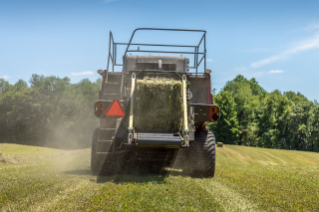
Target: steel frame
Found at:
x=112, y=54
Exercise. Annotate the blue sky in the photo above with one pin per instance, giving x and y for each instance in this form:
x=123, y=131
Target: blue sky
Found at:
x=277, y=42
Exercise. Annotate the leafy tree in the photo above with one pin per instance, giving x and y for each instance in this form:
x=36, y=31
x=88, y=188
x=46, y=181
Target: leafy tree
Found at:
x=51, y=112
x=227, y=128
x=247, y=106
x=274, y=112
x=272, y=120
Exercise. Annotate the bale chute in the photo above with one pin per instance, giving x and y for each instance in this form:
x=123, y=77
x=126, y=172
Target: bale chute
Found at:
x=158, y=105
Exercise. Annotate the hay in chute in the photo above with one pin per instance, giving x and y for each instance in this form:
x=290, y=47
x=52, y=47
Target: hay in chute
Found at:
x=158, y=105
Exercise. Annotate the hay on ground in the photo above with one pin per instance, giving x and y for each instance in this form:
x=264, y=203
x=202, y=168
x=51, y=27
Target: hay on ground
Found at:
x=220, y=144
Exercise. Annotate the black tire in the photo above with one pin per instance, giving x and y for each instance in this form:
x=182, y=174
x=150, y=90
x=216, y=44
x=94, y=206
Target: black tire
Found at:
x=201, y=162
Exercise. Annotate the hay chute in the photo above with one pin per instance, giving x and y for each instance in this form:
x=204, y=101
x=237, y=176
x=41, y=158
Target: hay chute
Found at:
x=158, y=105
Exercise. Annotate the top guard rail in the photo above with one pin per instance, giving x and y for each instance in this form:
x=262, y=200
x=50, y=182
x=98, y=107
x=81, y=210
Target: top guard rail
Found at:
x=112, y=55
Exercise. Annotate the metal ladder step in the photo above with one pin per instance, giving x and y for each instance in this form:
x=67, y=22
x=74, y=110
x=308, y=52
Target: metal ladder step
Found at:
x=106, y=141
x=113, y=83
x=112, y=94
x=107, y=134
x=107, y=128
x=112, y=86
x=114, y=78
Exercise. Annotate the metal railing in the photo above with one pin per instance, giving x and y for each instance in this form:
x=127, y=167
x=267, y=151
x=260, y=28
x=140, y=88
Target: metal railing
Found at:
x=197, y=60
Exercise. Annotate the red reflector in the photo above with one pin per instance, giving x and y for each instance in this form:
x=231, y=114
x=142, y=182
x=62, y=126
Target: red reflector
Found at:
x=115, y=110
x=203, y=127
x=210, y=113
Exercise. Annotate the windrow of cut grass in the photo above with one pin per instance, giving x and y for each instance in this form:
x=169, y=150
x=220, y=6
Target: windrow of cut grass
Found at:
x=24, y=150
x=247, y=179
x=15, y=153
x=275, y=180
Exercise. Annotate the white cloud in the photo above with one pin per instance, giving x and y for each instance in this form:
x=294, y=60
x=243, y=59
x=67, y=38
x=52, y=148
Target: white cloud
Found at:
x=82, y=73
x=312, y=27
x=5, y=77
x=276, y=71
x=305, y=45
x=209, y=60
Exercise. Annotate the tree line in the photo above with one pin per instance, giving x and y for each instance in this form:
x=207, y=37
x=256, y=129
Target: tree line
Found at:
x=253, y=117
x=49, y=112
x=53, y=112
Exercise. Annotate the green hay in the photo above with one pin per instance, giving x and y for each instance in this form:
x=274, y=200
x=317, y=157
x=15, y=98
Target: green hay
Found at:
x=158, y=105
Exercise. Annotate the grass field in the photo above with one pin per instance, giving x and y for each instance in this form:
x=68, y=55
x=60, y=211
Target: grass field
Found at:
x=247, y=179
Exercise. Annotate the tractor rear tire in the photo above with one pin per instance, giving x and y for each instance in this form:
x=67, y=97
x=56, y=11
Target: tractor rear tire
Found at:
x=202, y=155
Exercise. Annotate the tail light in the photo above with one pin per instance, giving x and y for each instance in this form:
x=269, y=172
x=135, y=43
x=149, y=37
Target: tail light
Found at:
x=214, y=113
x=215, y=117
x=205, y=112
x=98, y=109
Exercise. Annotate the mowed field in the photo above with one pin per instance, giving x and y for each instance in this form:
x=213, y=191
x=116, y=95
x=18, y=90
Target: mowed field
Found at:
x=247, y=179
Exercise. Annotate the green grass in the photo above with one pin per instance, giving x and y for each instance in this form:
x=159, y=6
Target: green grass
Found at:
x=247, y=179
x=23, y=150
x=272, y=179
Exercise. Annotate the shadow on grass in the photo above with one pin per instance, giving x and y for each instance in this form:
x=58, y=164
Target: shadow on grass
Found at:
x=123, y=179
x=130, y=170
x=79, y=172
x=128, y=176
